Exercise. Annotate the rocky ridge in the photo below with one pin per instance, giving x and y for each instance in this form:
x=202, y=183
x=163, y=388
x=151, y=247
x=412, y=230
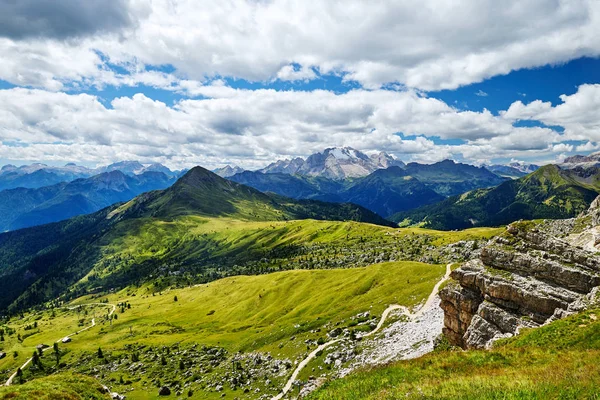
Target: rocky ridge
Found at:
x=526, y=277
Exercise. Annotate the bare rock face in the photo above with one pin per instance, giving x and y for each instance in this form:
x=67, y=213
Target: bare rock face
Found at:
x=523, y=278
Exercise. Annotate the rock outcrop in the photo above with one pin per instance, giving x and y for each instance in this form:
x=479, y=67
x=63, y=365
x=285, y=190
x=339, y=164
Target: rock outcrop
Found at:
x=525, y=277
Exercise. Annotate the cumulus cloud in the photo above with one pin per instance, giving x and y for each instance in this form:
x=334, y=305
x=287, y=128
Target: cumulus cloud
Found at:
x=20, y=19
x=253, y=127
x=289, y=73
x=577, y=114
x=425, y=44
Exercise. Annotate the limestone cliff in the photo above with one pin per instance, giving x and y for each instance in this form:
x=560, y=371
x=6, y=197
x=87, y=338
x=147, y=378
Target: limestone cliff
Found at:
x=526, y=277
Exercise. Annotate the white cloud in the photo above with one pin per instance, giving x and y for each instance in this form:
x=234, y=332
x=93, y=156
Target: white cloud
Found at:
x=251, y=128
x=289, y=73
x=577, y=114
x=481, y=93
x=425, y=44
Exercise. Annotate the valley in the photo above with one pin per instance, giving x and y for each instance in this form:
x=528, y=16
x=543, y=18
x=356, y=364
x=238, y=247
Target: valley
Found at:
x=210, y=288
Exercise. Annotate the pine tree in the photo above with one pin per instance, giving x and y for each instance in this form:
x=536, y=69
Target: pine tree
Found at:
x=175, y=298
x=100, y=355
x=181, y=365
x=20, y=375
x=56, y=353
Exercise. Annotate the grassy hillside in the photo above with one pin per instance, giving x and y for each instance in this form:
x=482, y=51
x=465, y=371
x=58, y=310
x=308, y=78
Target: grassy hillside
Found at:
x=57, y=387
x=40, y=263
x=237, y=316
x=539, y=364
x=548, y=192
x=196, y=249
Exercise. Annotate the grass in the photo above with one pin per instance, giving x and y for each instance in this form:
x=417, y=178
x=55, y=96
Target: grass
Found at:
x=240, y=314
x=56, y=387
x=218, y=247
x=314, y=291
x=558, y=361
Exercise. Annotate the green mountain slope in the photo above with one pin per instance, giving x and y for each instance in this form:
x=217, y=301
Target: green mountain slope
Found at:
x=40, y=263
x=549, y=192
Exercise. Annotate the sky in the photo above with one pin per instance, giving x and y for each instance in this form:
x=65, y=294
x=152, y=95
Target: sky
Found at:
x=188, y=82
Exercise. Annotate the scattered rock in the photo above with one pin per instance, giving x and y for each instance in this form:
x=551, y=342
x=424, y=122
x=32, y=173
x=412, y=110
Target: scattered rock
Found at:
x=164, y=391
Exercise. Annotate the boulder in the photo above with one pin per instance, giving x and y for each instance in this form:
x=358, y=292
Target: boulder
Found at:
x=164, y=391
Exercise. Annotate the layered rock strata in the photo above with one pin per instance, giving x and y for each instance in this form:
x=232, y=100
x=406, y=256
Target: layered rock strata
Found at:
x=523, y=278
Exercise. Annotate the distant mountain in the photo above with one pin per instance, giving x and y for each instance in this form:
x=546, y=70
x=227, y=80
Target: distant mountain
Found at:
x=549, y=192
x=293, y=186
x=22, y=208
x=388, y=191
x=384, y=160
x=336, y=163
x=228, y=170
x=513, y=170
x=126, y=167
x=39, y=175
x=449, y=178
x=384, y=191
x=284, y=166
x=592, y=160
x=40, y=263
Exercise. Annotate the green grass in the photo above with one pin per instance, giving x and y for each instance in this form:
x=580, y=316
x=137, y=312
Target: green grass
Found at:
x=56, y=387
x=208, y=248
x=558, y=361
x=240, y=314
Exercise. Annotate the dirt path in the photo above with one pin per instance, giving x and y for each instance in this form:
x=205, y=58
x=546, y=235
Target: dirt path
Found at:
x=113, y=309
x=405, y=311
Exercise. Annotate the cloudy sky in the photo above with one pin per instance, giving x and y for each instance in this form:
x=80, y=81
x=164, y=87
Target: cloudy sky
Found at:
x=188, y=82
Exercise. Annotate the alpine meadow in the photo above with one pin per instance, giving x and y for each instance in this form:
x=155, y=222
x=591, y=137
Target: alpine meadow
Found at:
x=277, y=200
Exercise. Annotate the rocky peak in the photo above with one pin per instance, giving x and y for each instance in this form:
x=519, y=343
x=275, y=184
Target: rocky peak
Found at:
x=385, y=160
x=525, y=277
x=228, y=171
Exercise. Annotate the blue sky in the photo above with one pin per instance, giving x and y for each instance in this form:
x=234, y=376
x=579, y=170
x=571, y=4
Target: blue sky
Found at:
x=177, y=83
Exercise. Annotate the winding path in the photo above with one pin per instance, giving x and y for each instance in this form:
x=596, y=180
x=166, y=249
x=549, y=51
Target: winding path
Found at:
x=114, y=307
x=405, y=311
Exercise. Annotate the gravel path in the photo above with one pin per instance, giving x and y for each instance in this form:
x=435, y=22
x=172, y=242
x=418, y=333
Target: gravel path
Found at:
x=416, y=333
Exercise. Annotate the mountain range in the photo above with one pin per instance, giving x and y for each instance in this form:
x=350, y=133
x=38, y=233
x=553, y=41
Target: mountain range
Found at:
x=38, y=175
x=39, y=263
x=549, y=192
x=385, y=191
x=22, y=207
x=335, y=163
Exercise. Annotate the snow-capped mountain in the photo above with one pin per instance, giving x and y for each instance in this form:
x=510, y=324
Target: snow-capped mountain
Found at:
x=384, y=160
x=524, y=167
x=228, y=171
x=284, y=166
x=513, y=170
x=335, y=163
